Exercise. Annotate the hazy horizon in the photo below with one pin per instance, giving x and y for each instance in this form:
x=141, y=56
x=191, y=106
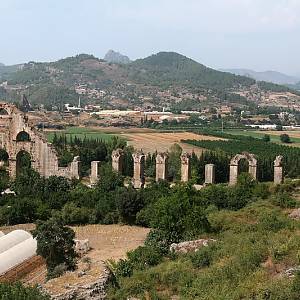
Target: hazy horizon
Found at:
x=222, y=34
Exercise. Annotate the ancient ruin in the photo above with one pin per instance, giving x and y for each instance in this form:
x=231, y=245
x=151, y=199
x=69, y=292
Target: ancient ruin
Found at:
x=278, y=170
x=161, y=166
x=234, y=166
x=94, y=172
x=185, y=167
x=139, y=169
x=210, y=170
x=117, y=157
x=18, y=137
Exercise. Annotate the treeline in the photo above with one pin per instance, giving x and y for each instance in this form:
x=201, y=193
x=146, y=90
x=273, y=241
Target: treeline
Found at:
x=91, y=150
x=266, y=152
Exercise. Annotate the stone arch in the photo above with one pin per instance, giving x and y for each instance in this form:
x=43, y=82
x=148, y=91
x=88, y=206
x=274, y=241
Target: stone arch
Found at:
x=23, y=136
x=23, y=160
x=234, y=166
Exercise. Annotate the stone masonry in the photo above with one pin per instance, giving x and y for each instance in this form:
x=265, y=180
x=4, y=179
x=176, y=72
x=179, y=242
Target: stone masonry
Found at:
x=161, y=166
x=234, y=166
x=117, y=157
x=139, y=169
x=44, y=158
x=94, y=172
x=210, y=170
x=278, y=170
x=185, y=167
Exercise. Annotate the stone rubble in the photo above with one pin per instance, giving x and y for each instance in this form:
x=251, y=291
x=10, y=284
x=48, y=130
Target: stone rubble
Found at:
x=190, y=246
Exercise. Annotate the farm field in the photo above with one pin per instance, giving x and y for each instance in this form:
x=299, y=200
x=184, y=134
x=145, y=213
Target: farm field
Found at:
x=81, y=133
x=148, y=140
x=274, y=135
x=162, y=141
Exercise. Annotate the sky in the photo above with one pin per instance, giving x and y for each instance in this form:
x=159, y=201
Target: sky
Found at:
x=255, y=34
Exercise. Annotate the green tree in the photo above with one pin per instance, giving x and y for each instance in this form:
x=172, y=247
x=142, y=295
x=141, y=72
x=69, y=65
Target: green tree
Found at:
x=266, y=138
x=55, y=243
x=285, y=138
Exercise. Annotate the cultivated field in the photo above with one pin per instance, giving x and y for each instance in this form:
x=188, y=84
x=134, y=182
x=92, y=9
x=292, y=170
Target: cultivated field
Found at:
x=274, y=135
x=162, y=141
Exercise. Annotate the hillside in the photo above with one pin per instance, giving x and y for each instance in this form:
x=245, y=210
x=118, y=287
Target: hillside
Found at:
x=161, y=80
x=269, y=76
x=170, y=68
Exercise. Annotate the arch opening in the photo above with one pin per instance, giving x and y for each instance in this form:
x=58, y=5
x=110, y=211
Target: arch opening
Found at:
x=243, y=166
x=3, y=112
x=23, y=136
x=23, y=162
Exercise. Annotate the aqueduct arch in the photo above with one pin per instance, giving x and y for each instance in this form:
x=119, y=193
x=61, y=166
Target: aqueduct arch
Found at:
x=16, y=135
x=234, y=166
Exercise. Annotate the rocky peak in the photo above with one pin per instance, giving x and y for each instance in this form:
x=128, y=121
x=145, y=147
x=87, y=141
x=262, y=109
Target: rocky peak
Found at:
x=116, y=57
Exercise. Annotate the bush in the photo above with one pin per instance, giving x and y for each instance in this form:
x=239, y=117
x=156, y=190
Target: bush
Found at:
x=202, y=258
x=159, y=239
x=144, y=257
x=16, y=291
x=124, y=268
x=284, y=200
x=272, y=222
x=285, y=138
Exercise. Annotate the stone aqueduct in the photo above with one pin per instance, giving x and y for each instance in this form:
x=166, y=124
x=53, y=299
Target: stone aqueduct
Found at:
x=17, y=136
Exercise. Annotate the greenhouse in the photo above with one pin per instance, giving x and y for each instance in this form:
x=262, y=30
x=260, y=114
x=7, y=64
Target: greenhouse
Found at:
x=15, y=248
x=12, y=239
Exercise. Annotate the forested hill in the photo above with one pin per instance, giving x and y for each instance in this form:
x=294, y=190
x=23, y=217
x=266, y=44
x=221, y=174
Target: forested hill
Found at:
x=170, y=68
x=56, y=82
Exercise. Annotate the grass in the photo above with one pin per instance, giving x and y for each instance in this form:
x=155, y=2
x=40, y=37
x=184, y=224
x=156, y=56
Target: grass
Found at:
x=81, y=133
x=255, y=134
x=253, y=246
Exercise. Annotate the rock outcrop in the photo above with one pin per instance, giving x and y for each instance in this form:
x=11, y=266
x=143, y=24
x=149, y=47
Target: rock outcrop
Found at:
x=116, y=57
x=190, y=246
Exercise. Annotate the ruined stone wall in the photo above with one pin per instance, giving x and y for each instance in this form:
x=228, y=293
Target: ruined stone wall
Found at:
x=43, y=155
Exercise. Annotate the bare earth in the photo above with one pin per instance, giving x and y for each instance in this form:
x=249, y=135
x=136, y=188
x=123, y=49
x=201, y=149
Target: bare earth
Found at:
x=157, y=141
x=107, y=242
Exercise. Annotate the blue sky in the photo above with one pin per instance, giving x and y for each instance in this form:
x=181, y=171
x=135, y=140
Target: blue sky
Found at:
x=255, y=34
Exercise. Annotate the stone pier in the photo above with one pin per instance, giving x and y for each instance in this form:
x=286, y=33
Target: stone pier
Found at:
x=161, y=166
x=278, y=170
x=75, y=168
x=210, y=170
x=139, y=169
x=94, y=172
x=185, y=167
x=117, y=157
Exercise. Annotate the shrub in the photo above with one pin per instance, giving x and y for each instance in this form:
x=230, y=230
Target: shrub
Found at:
x=285, y=138
x=159, y=239
x=202, y=258
x=284, y=200
x=144, y=257
x=124, y=268
x=16, y=291
x=272, y=222
x=58, y=271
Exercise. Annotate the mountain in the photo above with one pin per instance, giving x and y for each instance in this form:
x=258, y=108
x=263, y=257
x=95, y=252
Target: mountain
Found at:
x=164, y=79
x=116, y=57
x=169, y=68
x=2, y=65
x=268, y=76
